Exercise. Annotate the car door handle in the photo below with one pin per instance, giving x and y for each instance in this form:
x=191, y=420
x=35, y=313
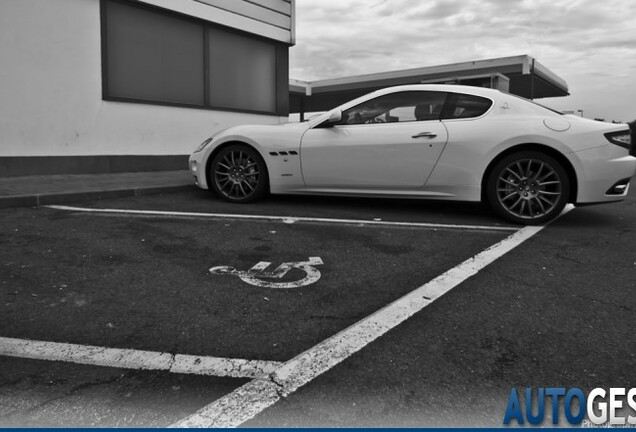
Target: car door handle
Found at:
x=425, y=135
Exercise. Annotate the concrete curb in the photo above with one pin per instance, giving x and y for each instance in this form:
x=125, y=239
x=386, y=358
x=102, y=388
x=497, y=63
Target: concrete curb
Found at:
x=37, y=200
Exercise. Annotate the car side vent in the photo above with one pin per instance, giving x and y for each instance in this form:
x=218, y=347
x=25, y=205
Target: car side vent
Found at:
x=284, y=153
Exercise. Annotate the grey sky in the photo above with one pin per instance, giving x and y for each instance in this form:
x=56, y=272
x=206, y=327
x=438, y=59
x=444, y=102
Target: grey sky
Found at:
x=589, y=43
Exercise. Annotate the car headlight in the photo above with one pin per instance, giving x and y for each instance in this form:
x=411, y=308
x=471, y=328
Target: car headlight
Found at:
x=621, y=138
x=203, y=145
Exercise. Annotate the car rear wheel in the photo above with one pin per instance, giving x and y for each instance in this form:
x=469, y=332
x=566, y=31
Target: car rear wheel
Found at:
x=528, y=188
x=238, y=174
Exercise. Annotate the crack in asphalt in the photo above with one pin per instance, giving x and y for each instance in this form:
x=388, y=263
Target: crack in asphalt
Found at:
x=172, y=361
x=280, y=388
x=604, y=303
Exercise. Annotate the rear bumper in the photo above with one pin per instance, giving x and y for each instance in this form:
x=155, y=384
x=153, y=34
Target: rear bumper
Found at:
x=603, y=174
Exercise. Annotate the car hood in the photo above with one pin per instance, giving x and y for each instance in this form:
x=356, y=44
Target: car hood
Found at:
x=251, y=130
x=263, y=137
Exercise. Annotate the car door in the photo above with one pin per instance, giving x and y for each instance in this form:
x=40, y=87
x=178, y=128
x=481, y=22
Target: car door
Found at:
x=392, y=141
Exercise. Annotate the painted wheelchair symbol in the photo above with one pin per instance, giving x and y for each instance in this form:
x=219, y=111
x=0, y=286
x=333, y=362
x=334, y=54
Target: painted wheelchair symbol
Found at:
x=259, y=277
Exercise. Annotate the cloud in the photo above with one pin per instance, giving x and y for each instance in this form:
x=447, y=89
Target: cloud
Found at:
x=591, y=44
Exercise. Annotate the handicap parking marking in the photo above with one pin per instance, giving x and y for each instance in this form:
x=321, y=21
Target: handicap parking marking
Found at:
x=144, y=283
x=252, y=398
x=257, y=275
x=284, y=219
x=136, y=359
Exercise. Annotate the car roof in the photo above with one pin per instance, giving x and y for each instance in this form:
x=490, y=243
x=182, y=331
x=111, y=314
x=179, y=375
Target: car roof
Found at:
x=452, y=88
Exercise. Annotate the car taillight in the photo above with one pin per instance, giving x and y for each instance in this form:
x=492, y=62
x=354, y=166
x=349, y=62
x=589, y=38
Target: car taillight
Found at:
x=621, y=138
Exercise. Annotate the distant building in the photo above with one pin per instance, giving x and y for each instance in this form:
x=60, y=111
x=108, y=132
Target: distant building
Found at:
x=123, y=85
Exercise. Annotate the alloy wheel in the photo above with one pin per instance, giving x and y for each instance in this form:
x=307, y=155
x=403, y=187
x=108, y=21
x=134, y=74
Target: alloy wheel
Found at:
x=237, y=174
x=529, y=188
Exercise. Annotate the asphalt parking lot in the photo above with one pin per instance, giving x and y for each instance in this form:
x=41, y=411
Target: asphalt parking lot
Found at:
x=321, y=311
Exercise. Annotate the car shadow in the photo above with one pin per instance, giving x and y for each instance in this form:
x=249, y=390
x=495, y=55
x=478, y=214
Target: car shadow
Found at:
x=397, y=209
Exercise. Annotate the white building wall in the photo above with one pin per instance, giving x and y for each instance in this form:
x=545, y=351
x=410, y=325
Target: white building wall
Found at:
x=50, y=91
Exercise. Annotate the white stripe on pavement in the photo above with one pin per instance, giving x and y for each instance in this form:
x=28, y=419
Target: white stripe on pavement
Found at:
x=250, y=399
x=284, y=219
x=136, y=359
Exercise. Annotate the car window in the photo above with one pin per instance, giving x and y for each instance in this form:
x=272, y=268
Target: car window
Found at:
x=397, y=107
x=466, y=106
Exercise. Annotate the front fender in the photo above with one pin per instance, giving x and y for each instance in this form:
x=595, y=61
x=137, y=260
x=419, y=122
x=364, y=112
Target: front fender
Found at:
x=278, y=146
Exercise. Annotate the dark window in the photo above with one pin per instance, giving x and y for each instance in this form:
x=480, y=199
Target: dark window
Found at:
x=154, y=56
x=242, y=72
x=397, y=107
x=466, y=106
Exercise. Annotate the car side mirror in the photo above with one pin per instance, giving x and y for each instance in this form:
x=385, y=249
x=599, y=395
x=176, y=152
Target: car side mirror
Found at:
x=335, y=117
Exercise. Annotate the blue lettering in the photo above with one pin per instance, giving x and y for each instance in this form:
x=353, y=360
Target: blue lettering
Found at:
x=532, y=419
x=555, y=392
x=513, y=410
x=578, y=394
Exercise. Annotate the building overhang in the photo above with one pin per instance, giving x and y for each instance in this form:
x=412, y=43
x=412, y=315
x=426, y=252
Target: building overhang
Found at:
x=519, y=75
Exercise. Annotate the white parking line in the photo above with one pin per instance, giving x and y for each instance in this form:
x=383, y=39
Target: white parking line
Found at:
x=283, y=219
x=250, y=399
x=136, y=359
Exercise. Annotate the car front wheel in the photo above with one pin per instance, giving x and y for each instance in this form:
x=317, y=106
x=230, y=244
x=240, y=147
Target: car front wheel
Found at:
x=238, y=174
x=528, y=188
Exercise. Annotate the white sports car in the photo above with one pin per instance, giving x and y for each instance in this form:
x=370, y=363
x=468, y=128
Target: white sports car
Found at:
x=443, y=142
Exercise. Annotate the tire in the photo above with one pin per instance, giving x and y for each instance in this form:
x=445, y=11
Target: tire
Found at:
x=528, y=188
x=238, y=174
